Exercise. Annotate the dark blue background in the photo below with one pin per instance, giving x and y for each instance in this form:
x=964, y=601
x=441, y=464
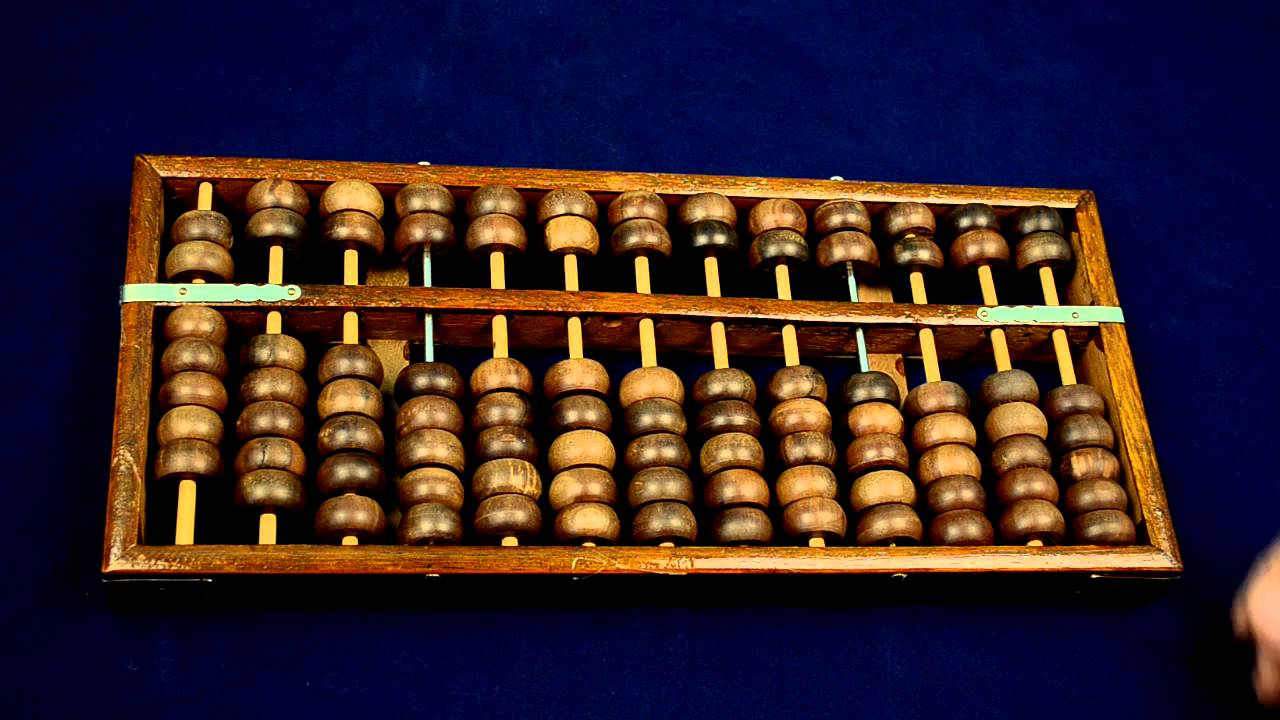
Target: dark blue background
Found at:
x=1166, y=112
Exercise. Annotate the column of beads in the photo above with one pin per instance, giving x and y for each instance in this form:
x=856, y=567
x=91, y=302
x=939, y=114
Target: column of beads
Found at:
x=271, y=462
x=943, y=434
x=505, y=482
x=882, y=494
x=582, y=456
x=652, y=397
x=350, y=403
x=731, y=456
x=1085, y=441
x=429, y=422
x=1015, y=426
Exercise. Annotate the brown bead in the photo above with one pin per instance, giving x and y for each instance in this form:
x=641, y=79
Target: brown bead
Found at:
x=655, y=415
x=741, y=525
x=495, y=199
x=778, y=246
x=727, y=416
x=979, y=247
x=803, y=481
x=1039, y=218
x=1008, y=386
x=271, y=350
x=917, y=254
x=350, y=432
x=1019, y=451
x=777, y=213
x=496, y=233
x=430, y=524
x=1032, y=519
x=570, y=234
x=271, y=453
x=199, y=260
x=424, y=198
x=955, y=493
x=355, y=472
x=875, y=417
x=972, y=216
x=961, y=527
x=354, y=230
x=1091, y=463
x=636, y=204
x=878, y=488
x=277, y=226
x=195, y=422
x=430, y=446
x=575, y=375
x=708, y=206
x=641, y=237
x=941, y=429
x=797, y=381
x=889, y=523
x=580, y=412
x=351, y=195
x=731, y=450
x=908, y=217
x=1081, y=431
x=1043, y=249
x=1015, y=418
x=427, y=232
x=1026, y=484
x=196, y=321
x=435, y=485
x=273, y=383
x=428, y=378
x=807, y=448
x=1079, y=399
x=1104, y=527
x=508, y=515
x=271, y=490
x=799, y=415
x=567, y=202
x=497, y=409
x=349, y=395
x=202, y=226
x=870, y=386
x=350, y=516
x=579, y=448
x=193, y=354
x=193, y=388
x=660, y=522
x=277, y=193
x=657, y=450
x=840, y=249
x=501, y=374
x=506, y=475
x=650, y=382
x=505, y=441
x=724, y=384
x=1091, y=495
x=353, y=361
x=843, y=214
x=814, y=517
x=657, y=484
x=582, y=484
x=936, y=397
x=427, y=411
x=711, y=237
x=735, y=486
x=588, y=521
x=877, y=451
x=945, y=460
x=271, y=417
x=188, y=458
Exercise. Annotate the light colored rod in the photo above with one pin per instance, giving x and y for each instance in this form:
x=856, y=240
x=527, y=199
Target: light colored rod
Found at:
x=864, y=363
x=267, y=528
x=790, y=345
x=1061, y=350
x=719, y=341
x=275, y=276
x=999, y=345
x=428, y=324
x=648, y=339
x=204, y=196
x=350, y=276
x=928, y=350
x=185, y=530
x=574, y=323
x=498, y=281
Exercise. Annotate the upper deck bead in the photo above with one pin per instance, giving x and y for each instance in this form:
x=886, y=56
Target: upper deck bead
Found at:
x=495, y=199
x=1038, y=218
x=277, y=193
x=424, y=197
x=355, y=195
x=713, y=237
x=641, y=237
x=775, y=214
x=708, y=206
x=972, y=216
x=566, y=201
x=636, y=204
x=845, y=214
x=779, y=245
x=908, y=218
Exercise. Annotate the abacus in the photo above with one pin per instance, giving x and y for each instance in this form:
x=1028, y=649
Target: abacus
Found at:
x=518, y=405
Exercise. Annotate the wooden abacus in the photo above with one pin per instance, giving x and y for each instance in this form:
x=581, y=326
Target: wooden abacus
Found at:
x=1071, y=485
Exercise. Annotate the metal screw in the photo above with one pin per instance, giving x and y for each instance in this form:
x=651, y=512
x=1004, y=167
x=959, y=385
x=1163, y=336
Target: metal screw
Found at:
x=837, y=177
x=423, y=162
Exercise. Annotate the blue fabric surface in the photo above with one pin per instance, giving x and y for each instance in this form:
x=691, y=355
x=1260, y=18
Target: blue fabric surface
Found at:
x=1164, y=111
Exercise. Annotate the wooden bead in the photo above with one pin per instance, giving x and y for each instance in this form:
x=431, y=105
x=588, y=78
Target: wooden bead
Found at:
x=955, y=493
x=575, y=375
x=1019, y=451
x=1025, y=484
x=193, y=388
x=350, y=516
x=354, y=361
x=712, y=237
x=495, y=199
x=193, y=354
x=567, y=202
x=777, y=213
x=650, y=382
x=878, y=488
x=735, y=486
x=1079, y=399
x=1081, y=431
x=355, y=472
x=936, y=397
x=941, y=429
x=807, y=448
x=641, y=237
x=430, y=524
x=202, y=226
x=797, y=381
x=917, y=254
x=657, y=450
x=271, y=417
x=724, y=384
x=506, y=476
x=271, y=350
x=708, y=206
x=588, y=521
x=908, y=217
x=814, y=517
x=1009, y=386
x=1104, y=527
x=582, y=484
x=496, y=374
x=849, y=246
x=435, y=485
x=428, y=411
x=276, y=226
x=580, y=412
x=637, y=204
x=972, y=216
x=1091, y=495
x=188, y=458
x=727, y=416
x=194, y=422
x=843, y=214
x=570, y=234
x=979, y=247
x=803, y=481
x=271, y=453
x=659, y=484
x=870, y=386
x=430, y=446
x=1015, y=418
x=424, y=198
x=351, y=195
x=741, y=525
x=277, y=193
x=508, y=515
x=199, y=260
x=1039, y=218
x=799, y=415
x=946, y=460
x=273, y=383
x=961, y=528
x=1090, y=463
x=875, y=417
x=428, y=378
x=350, y=432
x=660, y=522
x=655, y=415
x=505, y=441
x=1042, y=250
x=502, y=409
x=778, y=246
x=579, y=448
x=731, y=450
x=354, y=230
x=427, y=232
x=496, y=233
x=196, y=321
x=271, y=490
x=1028, y=520
x=877, y=451
x=889, y=523
x=349, y=395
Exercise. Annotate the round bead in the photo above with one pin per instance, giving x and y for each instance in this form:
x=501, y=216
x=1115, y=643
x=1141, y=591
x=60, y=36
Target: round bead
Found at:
x=273, y=383
x=708, y=206
x=427, y=378
x=193, y=388
x=423, y=231
x=955, y=493
x=579, y=448
x=271, y=453
x=879, y=488
x=1019, y=451
x=875, y=417
x=917, y=253
x=814, y=517
x=849, y=246
x=1039, y=218
x=575, y=375
x=1079, y=399
x=972, y=216
x=355, y=472
x=350, y=432
x=660, y=522
x=270, y=350
x=424, y=198
x=582, y=484
x=277, y=193
x=945, y=460
x=351, y=195
x=271, y=490
x=1042, y=250
x=726, y=416
x=741, y=525
x=495, y=199
x=349, y=395
x=430, y=524
x=641, y=237
x=1104, y=527
x=778, y=246
x=271, y=417
x=731, y=450
x=505, y=441
x=961, y=527
x=713, y=237
x=844, y=214
x=427, y=411
x=936, y=397
x=354, y=230
x=508, y=515
x=724, y=384
x=799, y=415
x=496, y=409
x=580, y=411
x=908, y=217
x=803, y=481
x=943, y=428
x=1025, y=484
x=650, y=382
x=637, y=204
x=350, y=516
x=195, y=422
x=434, y=485
x=1015, y=418
x=199, y=260
x=506, y=476
x=655, y=415
x=797, y=381
x=188, y=458
x=807, y=448
x=196, y=321
x=354, y=361
x=193, y=354
x=501, y=374
x=870, y=386
x=567, y=202
x=657, y=450
x=1091, y=463
x=1028, y=520
x=889, y=523
x=587, y=521
x=202, y=226
x=570, y=234
x=496, y=233
x=979, y=247
x=735, y=486
x=877, y=451
x=777, y=213
x=1081, y=431
x=1091, y=495
x=658, y=484
x=276, y=226
x=1008, y=386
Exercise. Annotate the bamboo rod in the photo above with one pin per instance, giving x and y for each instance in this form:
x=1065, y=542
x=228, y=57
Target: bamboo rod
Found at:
x=790, y=344
x=648, y=338
x=999, y=344
x=928, y=350
x=1061, y=350
x=719, y=341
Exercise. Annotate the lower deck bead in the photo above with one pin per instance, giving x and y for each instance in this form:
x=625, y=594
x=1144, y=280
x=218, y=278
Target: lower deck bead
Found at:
x=955, y=493
x=434, y=485
x=587, y=521
x=581, y=412
x=870, y=386
x=946, y=460
x=193, y=388
x=350, y=515
x=881, y=487
x=814, y=517
x=1081, y=430
x=505, y=441
x=350, y=472
x=506, y=476
x=1026, y=484
x=1092, y=463
x=653, y=415
x=430, y=446
x=724, y=384
x=892, y=523
x=581, y=448
x=271, y=490
x=1078, y=399
x=944, y=428
x=582, y=484
x=188, y=458
x=961, y=528
x=879, y=451
x=274, y=350
x=501, y=374
x=660, y=484
x=1019, y=451
x=741, y=525
x=807, y=448
x=657, y=450
x=736, y=487
x=1015, y=418
x=508, y=515
x=1009, y=386
x=650, y=382
x=193, y=354
x=1028, y=520
x=271, y=453
x=1090, y=495
x=659, y=522
x=196, y=321
x=271, y=417
x=731, y=450
x=805, y=481
x=575, y=375
x=936, y=397
x=799, y=415
x=273, y=383
x=874, y=417
x=430, y=523
x=354, y=361
x=350, y=432
x=195, y=422
x=724, y=416
x=428, y=411
x=501, y=408
x=798, y=381
x=428, y=378
x=349, y=395
x=1104, y=527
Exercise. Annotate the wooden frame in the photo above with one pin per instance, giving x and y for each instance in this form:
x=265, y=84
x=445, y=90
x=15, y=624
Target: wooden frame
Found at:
x=824, y=326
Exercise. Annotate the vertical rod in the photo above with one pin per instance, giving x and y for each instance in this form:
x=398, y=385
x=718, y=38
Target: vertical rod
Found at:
x=574, y=325
x=719, y=341
x=350, y=276
x=428, y=325
x=864, y=363
x=790, y=344
x=267, y=528
x=999, y=345
x=498, y=281
x=185, y=522
x=1061, y=349
x=928, y=350
x=648, y=339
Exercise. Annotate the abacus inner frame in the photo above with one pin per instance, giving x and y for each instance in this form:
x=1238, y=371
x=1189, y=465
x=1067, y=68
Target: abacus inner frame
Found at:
x=462, y=318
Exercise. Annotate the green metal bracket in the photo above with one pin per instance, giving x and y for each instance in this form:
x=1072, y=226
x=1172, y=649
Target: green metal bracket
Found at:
x=1051, y=314
x=209, y=293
